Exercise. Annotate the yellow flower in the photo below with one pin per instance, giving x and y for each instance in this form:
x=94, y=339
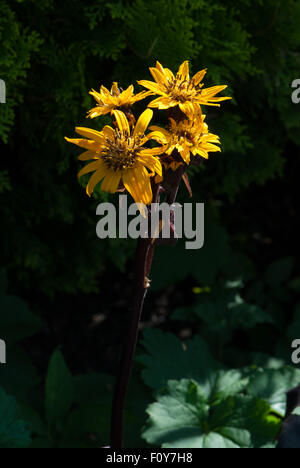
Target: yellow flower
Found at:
x=119, y=158
x=180, y=89
x=187, y=136
x=108, y=101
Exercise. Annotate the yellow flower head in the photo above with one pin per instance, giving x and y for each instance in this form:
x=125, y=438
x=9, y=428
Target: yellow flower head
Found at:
x=115, y=99
x=119, y=158
x=187, y=136
x=181, y=90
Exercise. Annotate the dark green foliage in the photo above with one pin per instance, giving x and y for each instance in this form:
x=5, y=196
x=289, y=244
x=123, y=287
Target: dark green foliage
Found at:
x=14, y=433
x=52, y=53
x=224, y=316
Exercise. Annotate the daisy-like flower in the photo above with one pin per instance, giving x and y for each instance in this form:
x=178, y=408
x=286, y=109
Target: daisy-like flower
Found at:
x=115, y=99
x=181, y=90
x=187, y=136
x=119, y=157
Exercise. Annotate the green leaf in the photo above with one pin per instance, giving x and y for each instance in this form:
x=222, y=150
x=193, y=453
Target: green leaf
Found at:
x=59, y=389
x=252, y=414
x=223, y=310
x=92, y=387
x=19, y=376
x=31, y=416
x=181, y=419
x=16, y=320
x=271, y=385
x=14, y=433
x=93, y=393
x=91, y=418
x=171, y=266
x=169, y=358
x=280, y=271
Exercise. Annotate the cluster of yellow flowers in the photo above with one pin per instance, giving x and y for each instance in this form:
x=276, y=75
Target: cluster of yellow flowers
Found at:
x=120, y=158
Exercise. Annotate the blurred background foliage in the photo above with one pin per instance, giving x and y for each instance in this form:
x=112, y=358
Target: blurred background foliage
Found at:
x=228, y=312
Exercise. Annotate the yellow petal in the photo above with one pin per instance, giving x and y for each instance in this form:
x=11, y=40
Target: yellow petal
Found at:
x=157, y=75
x=122, y=122
x=153, y=151
x=126, y=95
x=198, y=77
x=87, y=155
x=94, y=166
x=163, y=103
x=83, y=143
x=96, y=96
x=154, y=87
x=159, y=134
x=137, y=182
x=91, y=134
x=185, y=154
x=183, y=71
x=143, y=122
x=141, y=95
x=95, y=179
x=96, y=111
x=151, y=163
x=109, y=132
x=115, y=89
x=105, y=93
x=169, y=74
x=111, y=181
x=159, y=67
x=217, y=99
x=203, y=153
x=187, y=108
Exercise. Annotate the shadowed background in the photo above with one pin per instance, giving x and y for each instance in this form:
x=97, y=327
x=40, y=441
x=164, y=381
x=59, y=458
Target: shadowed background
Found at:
x=64, y=291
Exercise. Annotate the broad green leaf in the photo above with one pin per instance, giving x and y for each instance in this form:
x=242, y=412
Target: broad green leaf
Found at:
x=14, y=432
x=59, y=389
x=271, y=385
x=223, y=310
x=280, y=271
x=247, y=412
x=32, y=417
x=91, y=418
x=93, y=393
x=16, y=320
x=169, y=358
x=171, y=265
x=92, y=387
x=19, y=377
x=181, y=419
x=225, y=384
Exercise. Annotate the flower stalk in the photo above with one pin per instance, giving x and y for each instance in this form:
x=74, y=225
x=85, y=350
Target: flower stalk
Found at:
x=122, y=158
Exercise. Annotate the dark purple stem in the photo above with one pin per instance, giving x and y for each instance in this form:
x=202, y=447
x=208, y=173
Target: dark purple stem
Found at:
x=123, y=377
x=142, y=265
